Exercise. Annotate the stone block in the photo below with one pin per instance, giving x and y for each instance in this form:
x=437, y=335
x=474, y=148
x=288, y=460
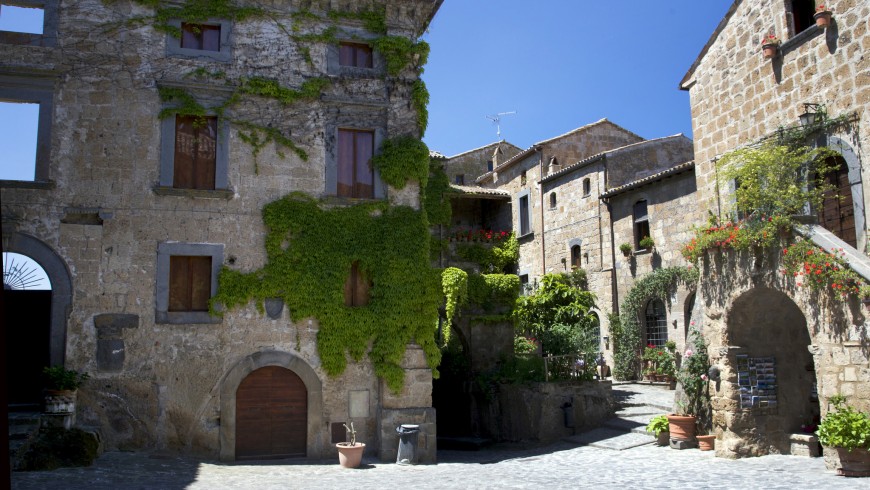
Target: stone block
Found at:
x=679, y=444
x=805, y=445
x=110, y=354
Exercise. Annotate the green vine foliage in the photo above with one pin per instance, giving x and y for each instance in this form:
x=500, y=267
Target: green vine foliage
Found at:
x=436, y=197
x=625, y=327
x=193, y=11
x=454, y=283
x=491, y=291
x=557, y=313
x=403, y=158
x=399, y=52
x=420, y=101
x=310, y=252
x=493, y=259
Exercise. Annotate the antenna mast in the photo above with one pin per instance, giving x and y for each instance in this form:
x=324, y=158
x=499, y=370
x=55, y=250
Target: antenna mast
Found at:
x=496, y=119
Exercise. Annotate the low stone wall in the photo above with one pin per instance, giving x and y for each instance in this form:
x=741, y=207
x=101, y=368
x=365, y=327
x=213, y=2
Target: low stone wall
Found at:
x=545, y=412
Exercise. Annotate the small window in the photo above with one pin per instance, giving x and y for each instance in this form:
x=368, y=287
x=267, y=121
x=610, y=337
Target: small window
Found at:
x=355, y=54
x=523, y=178
x=195, y=152
x=553, y=200
x=27, y=20
x=587, y=187
x=525, y=287
x=525, y=227
x=460, y=179
x=656, y=323
x=189, y=283
x=576, y=257
x=19, y=140
x=356, y=287
x=489, y=165
x=641, y=223
x=355, y=173
x=802, y=12
x=202, y=37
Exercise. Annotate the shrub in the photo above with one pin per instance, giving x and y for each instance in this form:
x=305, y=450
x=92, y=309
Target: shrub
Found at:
x=845, y=427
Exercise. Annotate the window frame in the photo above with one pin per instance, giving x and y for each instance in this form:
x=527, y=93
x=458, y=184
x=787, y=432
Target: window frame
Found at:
x=587, y=187
x=331, y=167
x=661, y=323
x=459, y=179
x=353, y=36
x=166, y=250
x=48, y=38
x=167, y=160
x=553, y=200
x=174, y=49
x=33, y=90
x=640, y=223
x=525, y=194
x=576, y=259
x=356, y=46
x=806, y=11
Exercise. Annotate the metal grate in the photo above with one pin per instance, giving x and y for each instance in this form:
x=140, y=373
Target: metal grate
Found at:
x=656, y=323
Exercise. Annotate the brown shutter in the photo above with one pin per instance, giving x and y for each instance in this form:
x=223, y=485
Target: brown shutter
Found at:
x=206, y=153
x=345, y=163
x=345, y=55
x=189, y=283
x=179, y=284
x=364, y=146
x=200, y=283
x=185, y=152
x=348, y=286
x=211, y=38
x=361, y=287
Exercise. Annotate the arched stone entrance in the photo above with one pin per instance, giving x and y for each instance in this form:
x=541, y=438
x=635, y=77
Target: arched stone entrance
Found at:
x=768, y=334
x=234, y=382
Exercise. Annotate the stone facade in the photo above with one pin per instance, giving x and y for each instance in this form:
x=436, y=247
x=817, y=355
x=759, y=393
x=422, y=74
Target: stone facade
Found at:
x=745, y=306
x=101, y=210
x=469, y=165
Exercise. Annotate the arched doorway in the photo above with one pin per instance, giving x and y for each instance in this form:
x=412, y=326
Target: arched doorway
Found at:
x=771, y=333
x=271, y=415
x=27, y=317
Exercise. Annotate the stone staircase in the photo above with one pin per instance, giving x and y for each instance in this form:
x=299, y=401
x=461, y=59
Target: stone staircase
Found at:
x=637, y=403
x=23, y=429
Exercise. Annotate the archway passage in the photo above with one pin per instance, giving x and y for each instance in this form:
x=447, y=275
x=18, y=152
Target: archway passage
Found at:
x=767, y=325
x=271, y=415
x=838, y=212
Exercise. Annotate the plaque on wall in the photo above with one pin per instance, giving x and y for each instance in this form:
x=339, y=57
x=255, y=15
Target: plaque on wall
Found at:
x=756, y=378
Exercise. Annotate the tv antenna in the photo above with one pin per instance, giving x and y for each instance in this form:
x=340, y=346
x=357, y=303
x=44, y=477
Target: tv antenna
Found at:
x=496, y=119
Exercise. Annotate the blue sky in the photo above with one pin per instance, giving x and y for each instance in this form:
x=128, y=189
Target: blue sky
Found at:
x=561, y=64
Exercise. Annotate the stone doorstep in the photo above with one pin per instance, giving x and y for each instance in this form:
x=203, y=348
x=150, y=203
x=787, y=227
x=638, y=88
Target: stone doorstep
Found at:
x=804, y=445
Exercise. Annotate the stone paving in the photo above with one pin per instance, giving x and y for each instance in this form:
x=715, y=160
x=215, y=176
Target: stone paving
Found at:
x=560, y=465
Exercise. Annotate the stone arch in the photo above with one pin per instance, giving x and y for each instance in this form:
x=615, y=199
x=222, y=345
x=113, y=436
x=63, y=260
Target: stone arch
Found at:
x=856, y=183
x=61, y=287
x=249, y=364
x=764, y=323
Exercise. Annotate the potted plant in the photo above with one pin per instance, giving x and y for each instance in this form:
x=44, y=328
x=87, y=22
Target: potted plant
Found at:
x=847, y=431
x=646, y=243
x=350, y=453
x=658, y=426
x=823, y=16
x=625, y=248
x=693, y=378
x=60, y=388
x=769, y=44
x=706, y=442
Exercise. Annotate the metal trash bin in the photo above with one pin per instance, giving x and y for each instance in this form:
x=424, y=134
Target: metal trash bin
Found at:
x=408, y=434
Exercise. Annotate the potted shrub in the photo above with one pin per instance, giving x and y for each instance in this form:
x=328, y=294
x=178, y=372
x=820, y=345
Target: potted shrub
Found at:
x=625, y=248
x=350, y=453
x=823, y=16
x=60, y=388
x=769, y=44
x=847, y=431
x=693, y=378
x=646, y=243
x=658, y=426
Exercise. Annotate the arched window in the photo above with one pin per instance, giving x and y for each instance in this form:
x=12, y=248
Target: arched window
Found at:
x=553, y=199
x=587, y=187
x=576, y=262
x=656, y=323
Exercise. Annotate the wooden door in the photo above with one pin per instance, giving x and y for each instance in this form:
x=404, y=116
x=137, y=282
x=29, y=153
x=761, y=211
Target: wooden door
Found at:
x=838, y=213
x=271, y=415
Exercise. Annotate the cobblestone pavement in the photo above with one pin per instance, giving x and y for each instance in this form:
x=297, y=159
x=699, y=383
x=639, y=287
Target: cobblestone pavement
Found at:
x=561, y=465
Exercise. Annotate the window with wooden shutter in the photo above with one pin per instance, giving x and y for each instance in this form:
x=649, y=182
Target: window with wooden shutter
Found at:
x=356, y=287
x=641, y=223
x=189, y=283
x=355, y=54
x=201, y=37
x=356, y=175
x=195, y=152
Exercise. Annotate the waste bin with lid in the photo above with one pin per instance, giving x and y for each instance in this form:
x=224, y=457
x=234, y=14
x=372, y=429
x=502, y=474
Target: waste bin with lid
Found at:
x=407, y=453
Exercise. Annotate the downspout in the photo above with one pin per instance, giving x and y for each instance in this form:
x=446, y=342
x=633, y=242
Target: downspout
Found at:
x=614, y=290
x=541, y=192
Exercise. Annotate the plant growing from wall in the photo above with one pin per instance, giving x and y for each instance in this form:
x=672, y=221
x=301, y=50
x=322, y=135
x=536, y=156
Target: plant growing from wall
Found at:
x=822, y=270
x=625, y=327
x=403, y=158
x=192, y=11
x=496, y=259
x=454, y=283
x=436, y=198
x=310, y=250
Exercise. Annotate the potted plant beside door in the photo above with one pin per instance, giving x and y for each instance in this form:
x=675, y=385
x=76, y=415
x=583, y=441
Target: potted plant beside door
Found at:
x=350, y=453
x=61, y=385
x=693, y=378
x=848, y=432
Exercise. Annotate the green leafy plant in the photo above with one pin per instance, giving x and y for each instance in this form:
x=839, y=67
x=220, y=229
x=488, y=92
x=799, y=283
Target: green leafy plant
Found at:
x=61, y=379
x=494, y=259
x=845, y=427
x=657, y=425
x=403, y=158
x=454, y=283
x=625, y=248
x=693, y=376
x=647, y=243
x=821, y=270
x=524, y=345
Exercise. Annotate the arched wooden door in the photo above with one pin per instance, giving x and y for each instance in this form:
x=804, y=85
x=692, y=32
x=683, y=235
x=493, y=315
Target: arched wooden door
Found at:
x=838, y=213
x=271, y=415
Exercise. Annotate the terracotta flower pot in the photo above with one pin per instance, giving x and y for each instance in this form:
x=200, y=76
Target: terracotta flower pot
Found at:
x=769, y=50
x=663, y=438
x=707, y=442
x=682, y=427
x=853, y=463
x=350, y=456
x=60, y=401
x=823, y=19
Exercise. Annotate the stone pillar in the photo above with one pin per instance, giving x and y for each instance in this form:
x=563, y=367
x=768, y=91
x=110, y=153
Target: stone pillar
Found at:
x=412, y=406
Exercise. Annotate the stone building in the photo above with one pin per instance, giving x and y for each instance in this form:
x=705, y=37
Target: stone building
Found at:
x=162, y=135
x=748, y=310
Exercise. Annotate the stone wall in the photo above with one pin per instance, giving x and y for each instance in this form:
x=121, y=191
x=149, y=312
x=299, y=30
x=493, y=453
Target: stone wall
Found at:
x=473, y=163
x=105, y=161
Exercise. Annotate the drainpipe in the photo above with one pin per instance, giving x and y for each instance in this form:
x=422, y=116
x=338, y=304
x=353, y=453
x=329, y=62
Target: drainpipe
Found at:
x=541, y=192
x=614, y=290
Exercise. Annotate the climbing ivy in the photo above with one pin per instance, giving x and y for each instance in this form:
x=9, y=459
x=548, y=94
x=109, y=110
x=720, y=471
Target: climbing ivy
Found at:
x=403, y=158
x=192, y=11
x=491, y=259
x=625, y=327
x=454, y=283
x=310, y=250
x=436, y=198
x=493, y=290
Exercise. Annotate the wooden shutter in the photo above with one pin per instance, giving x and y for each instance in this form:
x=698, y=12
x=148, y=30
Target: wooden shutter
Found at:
x=185, y=152
x=356, y=287
x=364, y=173
x=206, y=153
x=200, y=37
x=344, y=175
x=189, y=283
x=195, y=152
x=838, y=212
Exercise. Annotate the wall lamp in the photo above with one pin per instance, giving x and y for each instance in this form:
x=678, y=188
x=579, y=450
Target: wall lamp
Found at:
x=809, y=118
